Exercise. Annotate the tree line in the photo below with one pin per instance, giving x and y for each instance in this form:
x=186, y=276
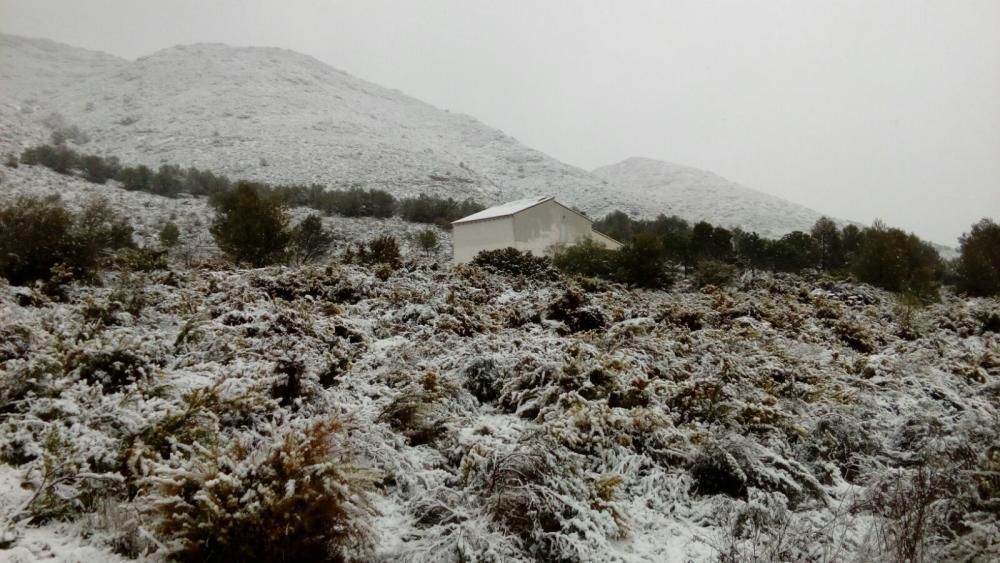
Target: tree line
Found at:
x=252, y=227
x=172, y=181
x=883, y=256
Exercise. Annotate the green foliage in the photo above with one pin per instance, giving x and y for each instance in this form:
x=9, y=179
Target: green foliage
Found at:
x=513, y=262
x=978, y=266
x=249, y=226
x=708, y=242
x=57, y=158
x=674, y=232
x=851, y=239
x=310, y=241
x=379, y=250
x=751, y=250
x=793, y=252
x=427, y=240
x=168, y=181
x=352, y=202
x=586, y=258
x=642, y=262
x=34, y=237
x=39, y=234
x=170, y=234
x=98, y=170
x=136, y=178
x=714, y=272
x=829, y=246
x=429, y=209
x=900, y=262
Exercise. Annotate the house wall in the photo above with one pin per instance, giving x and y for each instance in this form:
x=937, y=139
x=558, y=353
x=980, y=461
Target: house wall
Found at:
x=549, y=224
x=470, y=238
x=605, y=241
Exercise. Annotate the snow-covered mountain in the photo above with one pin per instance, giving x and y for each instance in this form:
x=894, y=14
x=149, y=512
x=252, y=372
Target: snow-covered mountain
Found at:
x=275, y=115
x=701, y=195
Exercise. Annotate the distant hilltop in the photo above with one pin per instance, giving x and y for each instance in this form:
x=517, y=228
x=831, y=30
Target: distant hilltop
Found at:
x=275, y=115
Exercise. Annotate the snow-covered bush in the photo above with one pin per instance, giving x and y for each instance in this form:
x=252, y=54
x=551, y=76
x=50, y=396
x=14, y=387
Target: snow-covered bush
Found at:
x=571, y=310
x=513, y=262
x=299, y=494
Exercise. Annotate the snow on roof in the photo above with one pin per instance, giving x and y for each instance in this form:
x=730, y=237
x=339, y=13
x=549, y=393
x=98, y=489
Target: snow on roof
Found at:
x=504, y=209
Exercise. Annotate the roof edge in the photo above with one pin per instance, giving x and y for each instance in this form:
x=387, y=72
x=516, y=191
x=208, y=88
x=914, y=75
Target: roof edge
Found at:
x=505, y=215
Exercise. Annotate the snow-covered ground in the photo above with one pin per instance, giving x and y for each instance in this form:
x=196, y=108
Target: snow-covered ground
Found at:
x=785, y=417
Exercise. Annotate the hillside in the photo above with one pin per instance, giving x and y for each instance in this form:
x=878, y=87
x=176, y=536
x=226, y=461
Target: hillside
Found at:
x=481, y=417
x=279, y=116
x=276, y=115
x=701, y=195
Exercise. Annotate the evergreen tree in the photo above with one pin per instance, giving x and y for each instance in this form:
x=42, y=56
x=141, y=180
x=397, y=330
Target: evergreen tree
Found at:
x=793, y=252
x=250, y=227
x=894, y=260
x=750, y=249
x=642, y=262
x=828, y=244
x=427, y=240
x=979, y=262
x=310, y=240
x=170, y=235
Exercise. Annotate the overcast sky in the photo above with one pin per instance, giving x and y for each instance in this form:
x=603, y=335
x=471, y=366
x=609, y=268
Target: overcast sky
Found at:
x=858, y=109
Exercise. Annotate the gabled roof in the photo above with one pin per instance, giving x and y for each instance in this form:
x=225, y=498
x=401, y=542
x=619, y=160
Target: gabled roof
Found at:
x=504, y=209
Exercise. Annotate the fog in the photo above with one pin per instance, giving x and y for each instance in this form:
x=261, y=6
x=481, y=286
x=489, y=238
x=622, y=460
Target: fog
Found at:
x=858, y=109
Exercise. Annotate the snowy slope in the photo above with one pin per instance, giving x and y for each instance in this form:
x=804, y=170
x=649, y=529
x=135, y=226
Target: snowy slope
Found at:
x=280, y=116
x=696, y=195
x=276, y=115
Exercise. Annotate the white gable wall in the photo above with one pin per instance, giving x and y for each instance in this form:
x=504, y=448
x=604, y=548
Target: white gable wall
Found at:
x=539, y=228
x=605, y=241
x=470, y=238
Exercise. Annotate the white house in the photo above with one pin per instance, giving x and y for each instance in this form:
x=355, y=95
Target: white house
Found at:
x=537, y=225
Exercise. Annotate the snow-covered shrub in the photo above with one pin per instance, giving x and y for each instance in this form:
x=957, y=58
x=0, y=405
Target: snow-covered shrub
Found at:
x=416, y=411
x=844, y=441
x=328, y=283
x=570, y=310
x=854, y=335
x=298, y=495
x=484, y=379
x=67, y=481
x=380, y=251
x=732, y=465
x=114, y=367
x=142, y=259
x=913, y=510
x=513, y=262
x=714, y=272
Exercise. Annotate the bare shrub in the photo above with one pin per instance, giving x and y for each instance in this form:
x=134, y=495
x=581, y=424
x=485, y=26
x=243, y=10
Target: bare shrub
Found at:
x=907, y=503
